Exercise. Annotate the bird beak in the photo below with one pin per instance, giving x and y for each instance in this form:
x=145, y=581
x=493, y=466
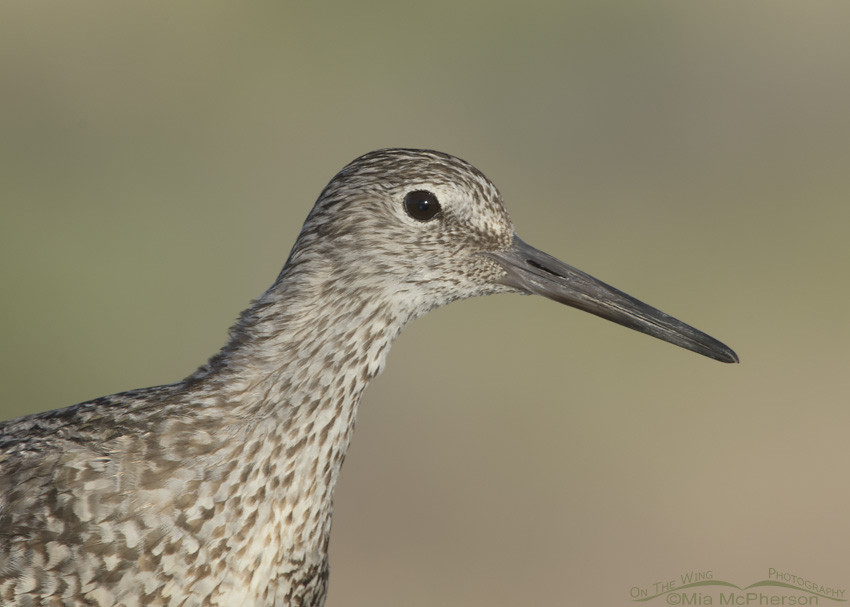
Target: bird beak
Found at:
x=533, y=271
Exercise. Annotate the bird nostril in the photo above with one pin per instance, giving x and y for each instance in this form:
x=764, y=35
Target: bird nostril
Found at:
x=534, y=264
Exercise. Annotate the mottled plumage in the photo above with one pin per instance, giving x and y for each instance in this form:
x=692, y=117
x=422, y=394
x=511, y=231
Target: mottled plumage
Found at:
x=217, y=490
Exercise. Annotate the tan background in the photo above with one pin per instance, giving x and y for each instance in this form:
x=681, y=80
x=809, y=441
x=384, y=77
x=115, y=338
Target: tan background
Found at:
x=158, y=159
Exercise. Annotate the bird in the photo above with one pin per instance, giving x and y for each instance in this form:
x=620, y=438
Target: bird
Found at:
x=217, y=490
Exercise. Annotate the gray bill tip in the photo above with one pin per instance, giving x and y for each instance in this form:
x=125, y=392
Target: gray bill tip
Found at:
x=532, y=271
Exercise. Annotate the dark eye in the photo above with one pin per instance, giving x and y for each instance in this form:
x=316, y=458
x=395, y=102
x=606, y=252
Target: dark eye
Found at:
x=421, y=205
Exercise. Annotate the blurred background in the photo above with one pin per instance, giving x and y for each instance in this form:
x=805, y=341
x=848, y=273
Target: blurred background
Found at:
x=157, y=160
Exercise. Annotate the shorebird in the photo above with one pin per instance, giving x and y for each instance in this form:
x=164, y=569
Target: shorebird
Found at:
x=217, y=489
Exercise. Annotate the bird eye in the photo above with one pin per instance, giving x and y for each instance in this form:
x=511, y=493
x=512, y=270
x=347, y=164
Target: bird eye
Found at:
x=421, y=205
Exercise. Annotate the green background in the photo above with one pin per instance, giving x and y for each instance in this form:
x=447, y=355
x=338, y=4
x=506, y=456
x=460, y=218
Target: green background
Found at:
x=157, y=160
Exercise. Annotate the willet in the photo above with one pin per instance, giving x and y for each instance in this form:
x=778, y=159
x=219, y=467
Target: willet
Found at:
x=217, y=490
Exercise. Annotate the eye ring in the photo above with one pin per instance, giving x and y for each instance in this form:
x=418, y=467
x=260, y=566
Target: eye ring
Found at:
x=422, y=205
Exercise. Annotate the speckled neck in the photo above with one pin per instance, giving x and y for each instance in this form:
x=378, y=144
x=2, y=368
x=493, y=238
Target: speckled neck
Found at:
x=287, y=386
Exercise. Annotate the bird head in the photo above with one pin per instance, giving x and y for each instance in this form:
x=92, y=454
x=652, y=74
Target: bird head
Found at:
x=421, y=229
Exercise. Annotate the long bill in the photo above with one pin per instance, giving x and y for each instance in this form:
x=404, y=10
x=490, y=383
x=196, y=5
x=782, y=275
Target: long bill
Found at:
x=534, y=271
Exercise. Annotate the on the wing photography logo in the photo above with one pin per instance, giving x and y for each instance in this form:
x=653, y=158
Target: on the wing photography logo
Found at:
x=703, y=588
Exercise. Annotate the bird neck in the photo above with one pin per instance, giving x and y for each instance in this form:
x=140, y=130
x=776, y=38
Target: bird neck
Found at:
x=290, y=380
x=310, y=342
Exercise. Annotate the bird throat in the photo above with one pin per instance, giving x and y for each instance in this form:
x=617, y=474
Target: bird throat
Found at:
x=287, y=387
